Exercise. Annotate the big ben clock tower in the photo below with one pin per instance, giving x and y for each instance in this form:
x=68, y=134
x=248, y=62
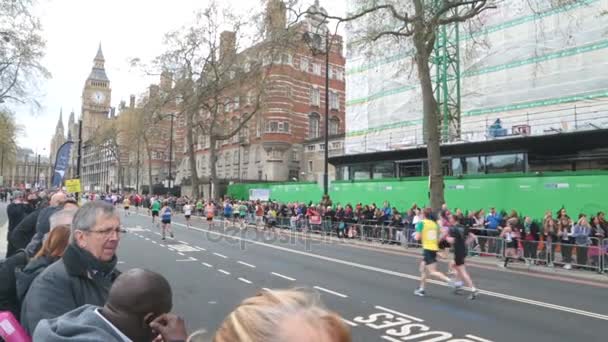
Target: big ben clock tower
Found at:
x=96, y=97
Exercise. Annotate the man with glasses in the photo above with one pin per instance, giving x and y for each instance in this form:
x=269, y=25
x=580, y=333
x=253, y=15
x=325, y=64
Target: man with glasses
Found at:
x=86, y=271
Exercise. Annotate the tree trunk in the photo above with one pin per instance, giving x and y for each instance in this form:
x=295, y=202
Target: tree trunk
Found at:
x=149, y=153
x=431, y=125
x=212, y=171
x=192, y=157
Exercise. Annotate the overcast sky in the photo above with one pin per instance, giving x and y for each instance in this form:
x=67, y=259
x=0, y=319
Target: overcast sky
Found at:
x=126, y=29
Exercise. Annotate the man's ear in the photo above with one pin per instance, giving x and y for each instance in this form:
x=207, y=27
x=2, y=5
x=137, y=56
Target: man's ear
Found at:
x=149, y=317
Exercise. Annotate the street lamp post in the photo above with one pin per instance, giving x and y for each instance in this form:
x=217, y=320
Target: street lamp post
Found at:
x=314, y=40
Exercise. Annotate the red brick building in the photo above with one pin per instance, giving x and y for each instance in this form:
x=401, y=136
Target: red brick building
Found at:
x=271, y=146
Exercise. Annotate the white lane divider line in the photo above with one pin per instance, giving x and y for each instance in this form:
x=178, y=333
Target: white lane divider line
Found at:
x=160, y=244
x=352, y=324
x=220, y=255
x=201, y=248
x=283, y=276
x=477, y=338
x=208, y=265
x=412, y=277
x=147, y=239
x=245, y=280
x=412, y=318
x=157, y=233
x=184, y=242
x=330, y=292
x=154, y=242
x=246, y=264
x=121, y=262
x=180, y=253
x=225, y=272
x=189, y=259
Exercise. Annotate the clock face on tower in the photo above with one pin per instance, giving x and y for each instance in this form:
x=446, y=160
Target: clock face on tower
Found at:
x=97, y=97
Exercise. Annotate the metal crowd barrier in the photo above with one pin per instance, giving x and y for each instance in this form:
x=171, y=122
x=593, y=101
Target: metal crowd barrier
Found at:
x=604, y=256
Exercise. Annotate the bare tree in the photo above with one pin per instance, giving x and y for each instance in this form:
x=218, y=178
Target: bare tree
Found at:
x=416, y=23
x=21, y=50
x=217, y=83
x=9, y=131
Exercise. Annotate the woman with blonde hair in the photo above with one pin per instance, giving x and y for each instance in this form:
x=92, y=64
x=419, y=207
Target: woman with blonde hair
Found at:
x=282, y=315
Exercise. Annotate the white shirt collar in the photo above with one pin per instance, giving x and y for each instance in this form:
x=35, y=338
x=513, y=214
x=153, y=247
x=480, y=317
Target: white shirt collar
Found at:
x=122, y=336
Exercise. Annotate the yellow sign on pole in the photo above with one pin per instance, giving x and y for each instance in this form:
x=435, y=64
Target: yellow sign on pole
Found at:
x=72, y=185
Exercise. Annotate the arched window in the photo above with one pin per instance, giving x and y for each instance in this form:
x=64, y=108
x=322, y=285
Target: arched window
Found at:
x=334, y=126
x=313, y=125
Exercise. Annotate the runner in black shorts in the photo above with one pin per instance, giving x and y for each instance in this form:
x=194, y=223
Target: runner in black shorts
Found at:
x=457, y=237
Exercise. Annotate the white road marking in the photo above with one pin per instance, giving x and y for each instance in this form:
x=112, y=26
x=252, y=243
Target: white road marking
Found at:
x=413, y=277
x=157, y=233
x=246, y=264
x=121, y=262
x=147, y=239
x=330, y=291
x=225, y=272
x=245, y=280
x=477, y=338
x=220, y=255
x=352, y=324
x=180, y=253
x=282, y=276
x=412, y=318
x=154, y=242
x=183, y=248
x=189, y=259
x=201, y=248
x=160, y=244
x=184, y=242
x=208, y=265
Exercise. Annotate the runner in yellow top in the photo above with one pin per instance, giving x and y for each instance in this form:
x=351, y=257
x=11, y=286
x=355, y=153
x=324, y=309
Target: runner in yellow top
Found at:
x=126, y=204
x=427, y=231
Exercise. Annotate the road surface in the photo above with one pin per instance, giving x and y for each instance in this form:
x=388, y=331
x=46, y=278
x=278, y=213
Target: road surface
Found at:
x=212, y=271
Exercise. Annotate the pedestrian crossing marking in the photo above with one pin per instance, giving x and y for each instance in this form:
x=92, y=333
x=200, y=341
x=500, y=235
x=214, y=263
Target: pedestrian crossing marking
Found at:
x=183, y=248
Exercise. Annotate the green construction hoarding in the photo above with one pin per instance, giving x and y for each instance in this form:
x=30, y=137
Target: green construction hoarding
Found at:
x=530, y=194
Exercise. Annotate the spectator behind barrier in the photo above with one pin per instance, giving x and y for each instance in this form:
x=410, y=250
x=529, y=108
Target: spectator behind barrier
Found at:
x=52, y=249
x=84, y=274
x=42, y=224
x=282, y=315
x=138, y=300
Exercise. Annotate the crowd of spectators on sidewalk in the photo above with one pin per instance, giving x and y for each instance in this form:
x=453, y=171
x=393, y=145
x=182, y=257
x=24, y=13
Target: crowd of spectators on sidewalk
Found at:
x=60, y=282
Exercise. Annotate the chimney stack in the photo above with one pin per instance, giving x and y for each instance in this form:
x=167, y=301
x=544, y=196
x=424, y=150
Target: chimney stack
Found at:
x=166, y=81
x=132, y=101
x=227, y=44
x=123, y=105
x=276, y=17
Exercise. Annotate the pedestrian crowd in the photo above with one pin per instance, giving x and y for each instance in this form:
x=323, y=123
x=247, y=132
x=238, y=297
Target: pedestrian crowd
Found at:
x=60, y=282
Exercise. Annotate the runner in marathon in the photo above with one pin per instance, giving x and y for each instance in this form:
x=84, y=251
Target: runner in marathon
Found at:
x=188, y=213
x=155, y=207
x=457, y=237
x=126, y=204
x=209, y=211
x=227, y=211
x=427, y=231
x=200, y=207
x=242, y=212
x=166, y=220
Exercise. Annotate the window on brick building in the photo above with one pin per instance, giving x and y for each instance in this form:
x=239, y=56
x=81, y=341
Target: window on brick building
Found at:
x=284, y=127
x=334, y=125
x=304, y=64
x=234, y=125
x=276, y=154
x=310, y=148
x=258, y=126
x=316, y=69
x=295, y=156
x=313, y=125
x=310, y=166
x=246, y=155
x=272, y=127
x=331, y=73
x=235, y=159
x=258, y=154
x=334, y=100
x=315, y=96
x=286, y=59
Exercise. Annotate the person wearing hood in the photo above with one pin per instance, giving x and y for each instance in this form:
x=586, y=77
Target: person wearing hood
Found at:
x=85, y=272
x=137, y=309
x=52, y=249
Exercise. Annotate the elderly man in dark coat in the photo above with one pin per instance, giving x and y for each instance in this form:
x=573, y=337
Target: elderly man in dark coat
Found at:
x=86, y=271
